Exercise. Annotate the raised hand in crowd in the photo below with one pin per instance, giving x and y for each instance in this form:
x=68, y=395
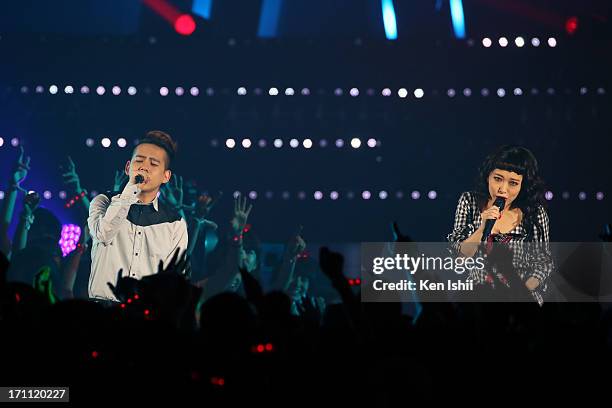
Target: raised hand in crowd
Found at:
x=295, y=246
x=172, y=193
x=397, y=234
x=71, y=179
x=44, y=285
x=125, y=288
x=18, y=174
x=20, y=171
x=120, y=179
x=30, y=204
x=241, y=214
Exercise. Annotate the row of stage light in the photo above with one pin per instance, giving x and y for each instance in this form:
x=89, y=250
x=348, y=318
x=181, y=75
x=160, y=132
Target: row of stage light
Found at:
x=334, y=195
x=403, y=92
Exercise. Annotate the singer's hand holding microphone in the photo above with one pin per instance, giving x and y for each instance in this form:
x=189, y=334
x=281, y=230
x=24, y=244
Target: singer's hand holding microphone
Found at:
x=490, y=216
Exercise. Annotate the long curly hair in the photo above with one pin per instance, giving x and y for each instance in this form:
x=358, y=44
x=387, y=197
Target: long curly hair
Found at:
x=521, y=161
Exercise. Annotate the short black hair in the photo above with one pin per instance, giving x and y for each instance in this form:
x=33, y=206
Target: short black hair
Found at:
x=160, y=139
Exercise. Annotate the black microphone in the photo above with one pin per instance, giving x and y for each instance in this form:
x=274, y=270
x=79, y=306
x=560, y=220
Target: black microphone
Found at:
x=139, y=179
x=500, y=202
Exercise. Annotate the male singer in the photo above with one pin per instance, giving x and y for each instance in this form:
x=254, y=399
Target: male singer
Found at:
x=131, y=230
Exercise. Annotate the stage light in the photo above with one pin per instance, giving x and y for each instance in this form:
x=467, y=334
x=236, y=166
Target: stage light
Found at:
x=366, y=195
x=383, y=195
x=583, y=90
x=179, y=91
x=294, y=143
x=582, y=196
x=285, y=195
x=338, y=92
x=236, y=194
x=372, y=142
x=69, y=238
x=467, y=92
x=278, y=143
x=518, y=91
x=451, y=93
x=1, y=195
x=194, y=91
x=131, y=90
x=47, y=195
x=599, y=196
x=14, y=142
x=386, y=92
x=339, y=143
x=53, y=89
x=184, y=24
x=418, y=93
x=535, y=41
x=389, y=19
x=289, y=92
x=318, y=195
x=415, y=195
x=484, y=92
x=305, y=91
x=301, y=195
x=262, y=143
x=519, y=41
x=548, y=195
x=69, y=90
x=501, y=92
x=241, y=91
x=230, y=143
x=550, y=91
x=116, y=90
x=402, y=93
x=432, y=195
x=84, y=89
x=571, y=25
x=62, y=195
x=163, y=91
x=100, y=90
x=121, y=142
x=565, y=195
x=552, y=42
x=214, y=143
x=503, y=41
x=399, y=194
x=355, y=143
x=334, y=195
x=601, y=91
x=1, y=142
x=307, y=143
x=323, y=142
x=210, y=91
x=354, y=92
x=457, y=18
x=486, y=42
x=106, y=142
x=253, y=195
x=273, y=91
x=269, y=195
x=246, y=143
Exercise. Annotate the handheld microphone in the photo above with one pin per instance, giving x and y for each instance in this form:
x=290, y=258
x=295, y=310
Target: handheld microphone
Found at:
x=500, y=203
x=139, y=179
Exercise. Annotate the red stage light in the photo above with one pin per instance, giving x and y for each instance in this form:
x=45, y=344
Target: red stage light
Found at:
x=571, y=25
x=184, y=24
